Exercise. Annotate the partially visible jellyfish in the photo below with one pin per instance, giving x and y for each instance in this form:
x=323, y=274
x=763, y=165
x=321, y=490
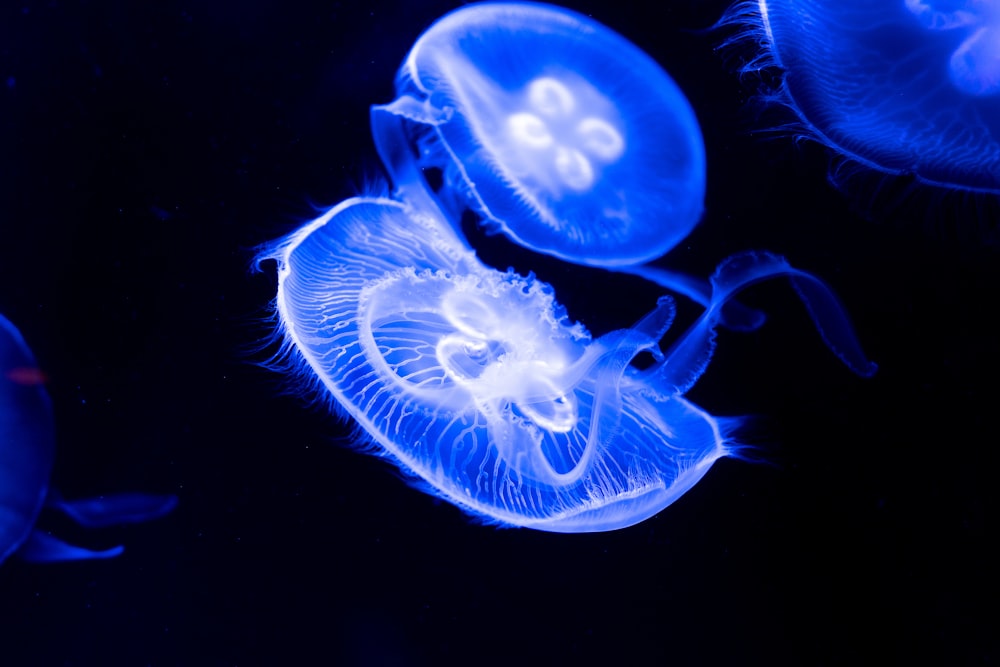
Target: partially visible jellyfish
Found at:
x=903, y=87
x=557, y=131
x=27, y=451
x=476, y=382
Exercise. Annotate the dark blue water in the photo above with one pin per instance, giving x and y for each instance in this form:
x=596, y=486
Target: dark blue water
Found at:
x=145, y=152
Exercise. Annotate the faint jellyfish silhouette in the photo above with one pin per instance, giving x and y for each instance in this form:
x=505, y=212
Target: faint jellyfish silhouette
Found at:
x=475, y=382
x=27, y=452
x=903, y=87
x=557, y=131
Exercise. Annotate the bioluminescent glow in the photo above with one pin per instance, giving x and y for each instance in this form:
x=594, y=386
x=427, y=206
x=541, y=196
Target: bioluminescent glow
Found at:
x=26, y=458
x=476, y=382
x=557, y=131
x=900, y=86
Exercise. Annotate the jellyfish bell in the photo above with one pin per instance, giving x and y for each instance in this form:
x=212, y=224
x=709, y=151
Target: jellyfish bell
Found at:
x=476, y=382
x=26, y=425
x=27, y=454
x=898, y=88
x=557, y=131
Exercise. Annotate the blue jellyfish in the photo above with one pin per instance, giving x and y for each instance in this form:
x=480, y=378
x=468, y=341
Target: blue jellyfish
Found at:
x=476, y=383
x=556, y=131
x=27, y=450
x=903, y=87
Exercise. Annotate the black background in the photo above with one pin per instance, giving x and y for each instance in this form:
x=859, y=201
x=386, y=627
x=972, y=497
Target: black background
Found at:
x=146, y=149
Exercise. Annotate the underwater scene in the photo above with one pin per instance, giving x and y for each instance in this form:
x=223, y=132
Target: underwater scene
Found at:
x=440, y=333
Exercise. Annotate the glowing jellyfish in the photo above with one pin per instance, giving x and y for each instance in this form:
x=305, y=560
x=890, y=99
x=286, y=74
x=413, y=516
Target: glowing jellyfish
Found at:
x=27, y=449
x=557, y=131
x=899, y=86
x=474, y=380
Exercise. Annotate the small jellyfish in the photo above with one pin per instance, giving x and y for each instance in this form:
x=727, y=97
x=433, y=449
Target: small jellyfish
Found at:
x=557, y=131
x=903, y=87
x=476, y=383
x=27, y=451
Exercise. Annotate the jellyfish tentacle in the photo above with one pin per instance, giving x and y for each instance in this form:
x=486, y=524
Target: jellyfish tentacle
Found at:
x=687, y=359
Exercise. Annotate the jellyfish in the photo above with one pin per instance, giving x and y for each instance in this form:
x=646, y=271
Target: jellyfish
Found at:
x=27, y=434
x=478, y=385
x=901, y=87
x=555, y=130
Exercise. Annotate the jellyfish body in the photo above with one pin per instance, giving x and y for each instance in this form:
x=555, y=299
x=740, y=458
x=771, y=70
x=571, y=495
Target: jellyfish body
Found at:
x=475, y=381
x=27, y=451
x=899, y=86
x=557, y=131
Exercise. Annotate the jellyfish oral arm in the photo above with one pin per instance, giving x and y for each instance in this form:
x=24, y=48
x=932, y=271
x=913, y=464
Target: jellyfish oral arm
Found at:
x=687, y=359
x=609, y=357
x=734, y=316
x=389, y=123
x=41, y=547
x=115, y=509
x=975, y=65
x=112, y=510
